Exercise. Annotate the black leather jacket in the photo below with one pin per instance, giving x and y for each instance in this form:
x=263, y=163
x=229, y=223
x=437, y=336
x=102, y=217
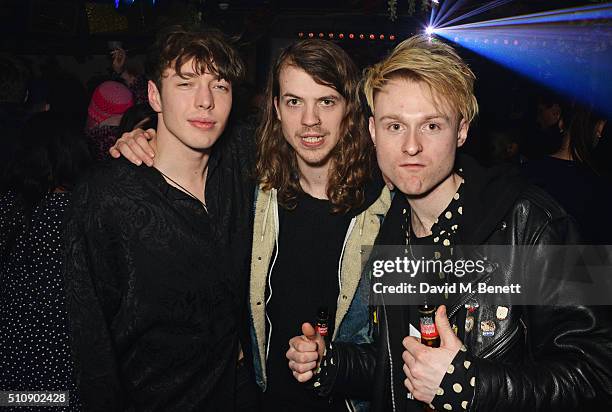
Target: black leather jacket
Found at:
x=542, y=357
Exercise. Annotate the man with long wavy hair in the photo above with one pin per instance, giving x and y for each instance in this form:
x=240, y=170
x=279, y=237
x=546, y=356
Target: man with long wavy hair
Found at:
x=317, y=203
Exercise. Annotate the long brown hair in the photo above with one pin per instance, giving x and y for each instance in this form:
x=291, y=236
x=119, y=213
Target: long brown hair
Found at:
x=352, y=157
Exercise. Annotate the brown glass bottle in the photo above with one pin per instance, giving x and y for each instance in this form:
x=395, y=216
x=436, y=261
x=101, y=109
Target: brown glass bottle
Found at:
x=427, y=324
x=322, y=325
x=429, y=333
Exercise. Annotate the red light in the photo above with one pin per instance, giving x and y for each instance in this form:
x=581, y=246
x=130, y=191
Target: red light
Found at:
x=311, y=35
x=392, y=37
x=361, y=36
x=382, y=36
x=301, y=34
x=321, y=35
x=331, y=35
x=372, y=37
x=351, y=36
x=341, y=35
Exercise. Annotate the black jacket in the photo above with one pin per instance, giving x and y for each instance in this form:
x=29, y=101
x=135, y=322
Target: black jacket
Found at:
x=541, y=357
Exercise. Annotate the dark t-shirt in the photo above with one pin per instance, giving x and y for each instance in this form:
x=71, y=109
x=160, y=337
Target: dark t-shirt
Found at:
x=306, y=271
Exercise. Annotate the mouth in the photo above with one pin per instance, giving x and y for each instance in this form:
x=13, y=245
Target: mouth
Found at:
x=312, y=141
x=412, y=166
x=202, y=124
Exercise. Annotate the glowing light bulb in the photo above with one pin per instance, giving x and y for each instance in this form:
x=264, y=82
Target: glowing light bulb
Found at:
x=429, y=30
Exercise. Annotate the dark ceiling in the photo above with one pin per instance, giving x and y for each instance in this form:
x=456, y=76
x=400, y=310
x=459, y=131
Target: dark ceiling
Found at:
x=83, y=27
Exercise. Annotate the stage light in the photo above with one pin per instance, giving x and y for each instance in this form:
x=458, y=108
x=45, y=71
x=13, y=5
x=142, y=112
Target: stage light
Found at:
x=331, y=35
x=311, y=35
x=382, y=37
x=372, y=37
x=361, y=36
x=301, y=34
x=429, y=30
x=341, y=35
x=392, y=37
x=566, y=50
x=351, y=36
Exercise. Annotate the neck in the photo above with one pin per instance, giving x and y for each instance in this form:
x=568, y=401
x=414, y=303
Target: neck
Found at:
x=314, y=178
x=183, y=164
x=564, y=151
x=427, y=208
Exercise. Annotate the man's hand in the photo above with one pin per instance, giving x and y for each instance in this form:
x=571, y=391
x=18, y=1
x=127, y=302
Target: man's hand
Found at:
x=119, y=56
x=424, y=366
x=137, y=146
x=305, y=353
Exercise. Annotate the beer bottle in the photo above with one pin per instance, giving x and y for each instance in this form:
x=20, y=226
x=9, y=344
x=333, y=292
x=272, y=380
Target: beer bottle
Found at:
x=322, y=325
x=427, y=324
x=429, y=333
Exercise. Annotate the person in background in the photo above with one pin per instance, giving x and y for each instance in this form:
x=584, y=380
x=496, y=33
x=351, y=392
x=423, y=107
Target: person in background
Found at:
x=108, y=103
x=128, y=72
x=140, y=116
x=570, y=174
x=14, y=78
x=34, y=349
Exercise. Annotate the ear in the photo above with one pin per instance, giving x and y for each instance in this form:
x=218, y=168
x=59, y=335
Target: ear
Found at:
x=372, y=128
x=278, y=116
x=462, y=133
x=154, y=97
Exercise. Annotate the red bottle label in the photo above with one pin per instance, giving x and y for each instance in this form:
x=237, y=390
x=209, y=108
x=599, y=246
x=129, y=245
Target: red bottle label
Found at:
x=321, y=330
x=428, y=328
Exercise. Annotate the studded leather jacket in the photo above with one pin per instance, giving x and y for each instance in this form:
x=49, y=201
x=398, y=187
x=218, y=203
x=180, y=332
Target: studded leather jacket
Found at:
x=540, y=357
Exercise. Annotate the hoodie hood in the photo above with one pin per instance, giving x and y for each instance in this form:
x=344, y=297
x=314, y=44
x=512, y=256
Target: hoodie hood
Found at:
x=489, y=194
x=373, y=189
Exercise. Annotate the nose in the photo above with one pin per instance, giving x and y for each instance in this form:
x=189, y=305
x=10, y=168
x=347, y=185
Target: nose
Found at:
x=412, y=144
x=310, y=116
x=204, y=98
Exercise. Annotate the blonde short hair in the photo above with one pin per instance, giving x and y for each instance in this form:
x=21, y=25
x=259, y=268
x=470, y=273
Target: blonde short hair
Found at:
x=432, y=62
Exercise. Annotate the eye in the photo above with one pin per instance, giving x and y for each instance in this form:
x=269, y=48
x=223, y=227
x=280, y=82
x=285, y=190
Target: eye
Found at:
x=221, y=87
x=184, y=84
x=292, y=102
x=328, y=102
x=432, y=128
x=395, y=127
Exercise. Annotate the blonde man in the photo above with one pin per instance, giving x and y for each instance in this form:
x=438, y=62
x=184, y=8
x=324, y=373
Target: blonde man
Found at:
x=501, y=358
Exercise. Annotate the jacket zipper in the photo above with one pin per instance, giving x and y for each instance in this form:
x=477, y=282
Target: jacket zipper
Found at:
x=499, y=347
x=390, y=357
x=467, y=297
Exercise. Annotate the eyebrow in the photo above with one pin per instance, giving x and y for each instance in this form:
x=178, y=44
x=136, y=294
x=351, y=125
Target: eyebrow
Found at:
x=330, y=97
x=427, y=117
x=185, y=75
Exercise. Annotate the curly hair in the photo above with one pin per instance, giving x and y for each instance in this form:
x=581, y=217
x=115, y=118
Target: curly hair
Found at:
x=352, y=157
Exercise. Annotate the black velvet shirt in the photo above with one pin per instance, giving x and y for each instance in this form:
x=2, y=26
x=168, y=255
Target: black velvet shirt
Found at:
x=155, y=303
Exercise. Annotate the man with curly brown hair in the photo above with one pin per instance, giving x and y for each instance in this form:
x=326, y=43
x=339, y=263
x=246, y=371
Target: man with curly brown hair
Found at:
x=317, y=203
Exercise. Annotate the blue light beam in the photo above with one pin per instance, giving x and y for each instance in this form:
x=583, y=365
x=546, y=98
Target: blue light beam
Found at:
x=568, y=50
x=485, y=7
